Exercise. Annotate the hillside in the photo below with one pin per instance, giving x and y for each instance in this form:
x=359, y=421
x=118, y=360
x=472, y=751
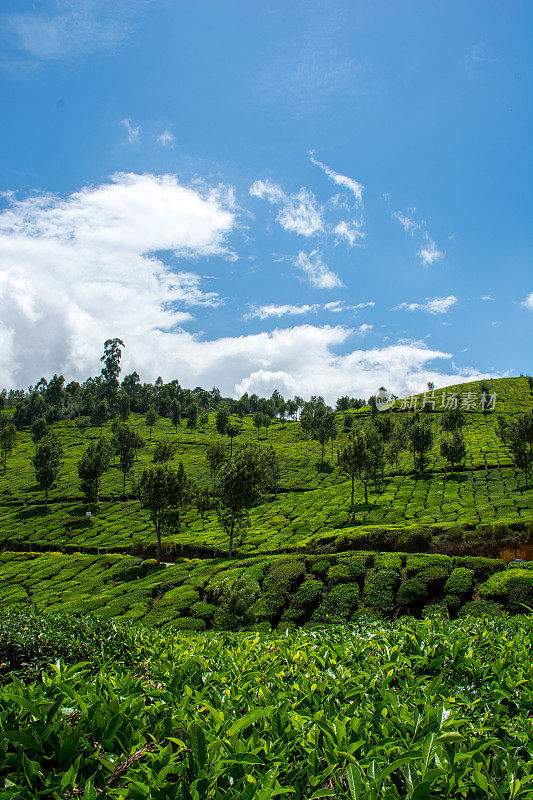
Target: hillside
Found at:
x=483, y=509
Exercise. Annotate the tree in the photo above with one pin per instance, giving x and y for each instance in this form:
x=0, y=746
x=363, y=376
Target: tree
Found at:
x=47, y=463
x=518, y=436
x=311, y=415
x=111, y=368
x=397, y=443
x=163, y=451
x=232, y=431
x=202, y=501
x=421, y=439
x=291, y=408
x=324, y=429
x=453, y=449
x=125, y=444
x=222, y=420
x=384, y=425
x=452, y=420
x=192, y=416
x=239, y=488
x=353, y=460
x=8, y=436
x=156, y=490
x=216, y=456
x=175, y=414
x=93, y=464
x=39, y=430
x=151, y=419
x=99, y=415
x=124, y=405
x=376, y=456
x=55, y=391
x=270, y=470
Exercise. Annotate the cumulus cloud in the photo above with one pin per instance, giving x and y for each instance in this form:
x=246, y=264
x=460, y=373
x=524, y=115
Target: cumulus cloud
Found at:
x=306, y=363
x=528, y=302
x=487, y=297
x=435, y=305
x=75, y=270
x=298, y=212
x=133, y=132
x=364, y=328
x=316, y=272
x=104, y=262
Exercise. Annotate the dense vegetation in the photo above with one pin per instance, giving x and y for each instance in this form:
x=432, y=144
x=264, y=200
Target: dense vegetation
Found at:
x=411, y=709
x=211, y=598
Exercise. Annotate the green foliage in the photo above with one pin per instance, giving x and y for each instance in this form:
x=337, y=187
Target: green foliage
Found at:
x=379, y=590
x=512, y=588
x=163, y=451
x=350, y=711
x=460, y=581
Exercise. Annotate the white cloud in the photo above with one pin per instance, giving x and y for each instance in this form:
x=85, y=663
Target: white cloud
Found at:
x=166, y=139
x=317, y=273
x=75, y=271
x=429, y=252
x=299, y=212
x=364, y=328
x=435, y=305
x=132, y=131
x=305, y=363
x=336, y=306
x=273, y=310
x=487, y=297
x=267, y=311
x=350, y=232
x=69, y=29
x=408, y=224
x=528, y=302
x=352, y=185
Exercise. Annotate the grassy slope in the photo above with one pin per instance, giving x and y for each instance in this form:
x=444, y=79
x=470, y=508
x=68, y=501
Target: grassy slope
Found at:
x=311, y=510
x=311, y=501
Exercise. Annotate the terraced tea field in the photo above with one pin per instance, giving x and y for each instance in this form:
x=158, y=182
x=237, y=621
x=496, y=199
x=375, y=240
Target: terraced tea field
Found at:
x=312, y=499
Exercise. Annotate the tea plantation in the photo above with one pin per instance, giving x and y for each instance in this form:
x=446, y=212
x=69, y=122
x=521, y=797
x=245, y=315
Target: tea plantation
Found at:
x=380, y=654
x=304, y=558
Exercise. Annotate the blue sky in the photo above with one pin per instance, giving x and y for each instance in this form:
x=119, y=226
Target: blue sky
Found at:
x=320, y=197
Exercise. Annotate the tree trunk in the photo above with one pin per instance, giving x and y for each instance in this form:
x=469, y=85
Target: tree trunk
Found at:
x=366, y=492
x=124, y=486
x=230, y=551
x=352, y=507
x=46, y=497
x=158, y=532
x=150, y=433
x=231, y=447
